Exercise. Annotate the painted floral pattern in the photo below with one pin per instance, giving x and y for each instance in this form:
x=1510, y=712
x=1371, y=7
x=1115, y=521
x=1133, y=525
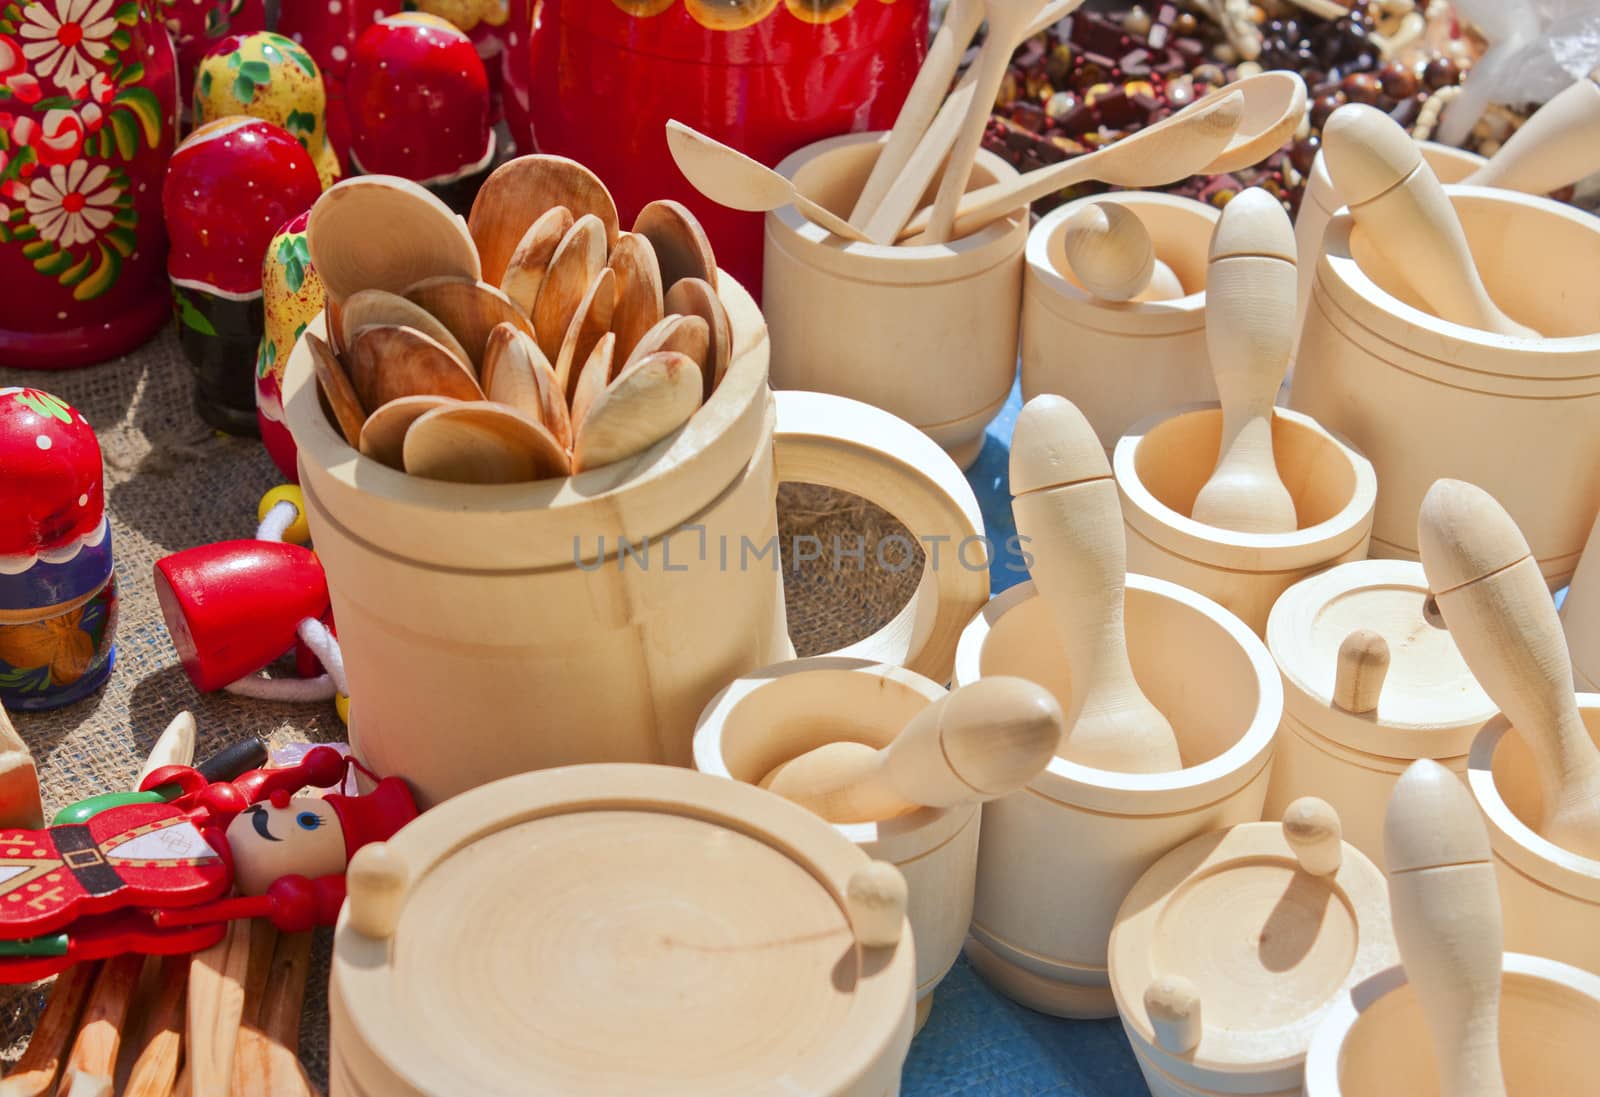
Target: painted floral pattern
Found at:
x=64, y=192
x=56, y=660
x=730, y=15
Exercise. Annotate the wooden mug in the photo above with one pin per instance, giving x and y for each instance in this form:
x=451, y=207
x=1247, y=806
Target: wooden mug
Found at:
x=1427, y=399
x=490, y=630
x=927, y=332
x=1119, y=361
x=1580, y=615
x=1056, y=859
x=1162, y=463
x=778, y=713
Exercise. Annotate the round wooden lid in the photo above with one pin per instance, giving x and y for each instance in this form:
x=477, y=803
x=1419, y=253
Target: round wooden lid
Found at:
x=1262, y=946
x=620, y=929
x=1430, y=705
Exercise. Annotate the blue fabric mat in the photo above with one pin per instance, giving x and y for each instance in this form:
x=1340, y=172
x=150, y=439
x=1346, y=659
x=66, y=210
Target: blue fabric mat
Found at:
x=976, y=1041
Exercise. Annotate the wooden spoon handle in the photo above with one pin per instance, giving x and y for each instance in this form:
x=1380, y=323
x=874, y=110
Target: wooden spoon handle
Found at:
x=216, y=1003
x=92, y=1065
x=35, y=1072
x=265, y=1064
x=155, y=1071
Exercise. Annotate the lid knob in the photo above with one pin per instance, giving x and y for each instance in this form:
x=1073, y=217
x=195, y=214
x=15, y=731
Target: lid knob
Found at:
x=1173, y=1004
x=876, y=900
x=1312, y=829
x=376, y=882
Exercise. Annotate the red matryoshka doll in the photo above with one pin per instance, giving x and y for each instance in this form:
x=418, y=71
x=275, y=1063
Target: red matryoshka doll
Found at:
x=329, y=31
x=765, y=76
x=419, y=106
x=270, y=77
x=197, y=25
x=230, y=185
x=58, y=598
x=487, y=23
x=515, y=94
x=88, y=117
x=291, y=295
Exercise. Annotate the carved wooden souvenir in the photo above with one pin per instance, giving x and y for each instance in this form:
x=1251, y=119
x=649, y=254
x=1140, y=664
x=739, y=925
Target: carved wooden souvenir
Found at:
x=198, y=25
x=1045, y=906
x=292, y=294
x=853, y=320
x=58, y=596
x=329, y=34
x=671, y=856
x=1110, y=253
x=273, y=78
x=90, y=116
x=419, y=106
x=230, y=186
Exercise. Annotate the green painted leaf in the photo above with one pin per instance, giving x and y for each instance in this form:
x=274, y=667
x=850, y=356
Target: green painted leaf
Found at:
x=191, y=317
x=301, y=58
x=79, y=271
x=124, y=129
x=24, y=232
x=123, y=241
x=5, y=233
x=205, y=85
x=259, y=72
x=147, y=108
x=46, y=404
x=133, y=74
x=265, y=357
x=301, y=123
x=104, y=277
x=37, y=250
x=120, y=39
x=58, y=262
x=234, y=60
x=127, y=14
x=244, y=89
x=216, y=23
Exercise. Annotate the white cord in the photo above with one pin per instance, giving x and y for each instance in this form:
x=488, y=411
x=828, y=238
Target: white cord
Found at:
x=282, y=515
x=261, y=688
x=325, y=646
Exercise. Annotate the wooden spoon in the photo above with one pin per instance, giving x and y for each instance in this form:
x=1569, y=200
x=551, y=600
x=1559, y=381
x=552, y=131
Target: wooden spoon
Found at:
x=216, y=1005
x=380, y=308
x=589, y=323
x=593, y=379
x=388, y=363
x=689, y=335
x=384, y=232
x=520, y=191
x=383, y=435
x=348, y=414
x=1274, y=107
x=692, y=297
x=525, y=269
x=578, y=261
x=482, y=443
x=1172, y=149
x=682, y=248
x=644, y=405
x=1110, y=253
x=638, y=290
x=263, y=943
x=470, y=310
x=516, y=373
x=730, y=178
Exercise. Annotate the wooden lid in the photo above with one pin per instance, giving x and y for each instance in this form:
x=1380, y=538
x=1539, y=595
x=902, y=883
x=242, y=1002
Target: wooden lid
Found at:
x=1430, y=705
x=1239, y=951
x=621, y=929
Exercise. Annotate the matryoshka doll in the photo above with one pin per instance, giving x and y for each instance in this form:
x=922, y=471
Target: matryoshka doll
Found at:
x=230, y=186
x=88, y=117
x=197, y=25
x=329, y=31
x=487, y=23
x=292, y=295
x=419, y=106
x=58, y=597
x=270, y=77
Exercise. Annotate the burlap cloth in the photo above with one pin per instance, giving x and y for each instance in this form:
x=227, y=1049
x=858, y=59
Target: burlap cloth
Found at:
x=171, y=482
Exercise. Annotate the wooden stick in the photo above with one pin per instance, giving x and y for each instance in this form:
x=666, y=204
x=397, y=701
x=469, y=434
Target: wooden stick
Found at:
x=155, y=1071
x=266, y=1064
x=263, y=943
x=36, y=1071
x=216, y=1003
x=92, y=1066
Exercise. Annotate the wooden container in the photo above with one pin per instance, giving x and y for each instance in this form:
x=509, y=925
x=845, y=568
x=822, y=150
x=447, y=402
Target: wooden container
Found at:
x=1426, y=399
x=1056, y=859
x=619, y=929
x=1580, y=615
x=927, y=332
x=1550, y=898
x=490, y=630
x=1233, y=935
x=1430, y=705
x=1120, y=362
x=764, y=719
x=1375, y=1043
x=1162, y=464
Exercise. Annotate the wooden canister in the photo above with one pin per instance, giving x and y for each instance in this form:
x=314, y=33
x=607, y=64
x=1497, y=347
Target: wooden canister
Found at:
x=1056, y=859
x=1430, y=705
x=490, y=630
x=619, y=929
x=1375, y=1042
x=764, y=719
x=1120, y=362
x=1426, y=399
x=1162, y=464
x=1252, y=949
x=927, y=332
x=1580, y=615
x=1549, y=897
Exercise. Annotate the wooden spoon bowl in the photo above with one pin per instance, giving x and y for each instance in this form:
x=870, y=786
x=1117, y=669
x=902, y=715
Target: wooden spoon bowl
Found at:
x=577, y=262
x=692, y=297
x=387, y=363
x=482, y=443
x=528, y=263
x=354, y=242
x=689, y=335
x=383, y=435
x=520, y=191
x=380, y=308
x=680, y=242
x=644, y=405
x=470, y=310
x=638, y=290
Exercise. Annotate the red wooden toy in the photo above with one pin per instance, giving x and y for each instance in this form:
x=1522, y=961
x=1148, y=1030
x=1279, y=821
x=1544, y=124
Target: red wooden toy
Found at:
x=88, y=117
x=230, y=186
x=197, y=25
x=329, y=33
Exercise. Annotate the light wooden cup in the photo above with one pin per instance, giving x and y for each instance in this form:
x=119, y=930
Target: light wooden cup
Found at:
x=1056, y=859
x=1161, y=465
x=779, y=712
x=1375, y=1042
x=1430, y=705
x=1550, y=898
x=1580, y=615
x=492, y=630
x=616, y=929
x=927, y=332
x=1425, y=399
x=1120, y=362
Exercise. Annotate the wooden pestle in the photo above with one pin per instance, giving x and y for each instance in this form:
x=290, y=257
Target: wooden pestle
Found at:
x=1499, y=611
x=1112, y=256
x=1446, y=911
x=1065, y=504
x=978, y=743
x=1397, y=201
x=1558, y=146
x=1250, y=310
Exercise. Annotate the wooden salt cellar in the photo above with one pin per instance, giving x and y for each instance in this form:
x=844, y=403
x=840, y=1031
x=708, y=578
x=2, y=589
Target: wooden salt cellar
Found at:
x=1231, y=949
x=926, y=332
x=1351, y=721
x=695, y=936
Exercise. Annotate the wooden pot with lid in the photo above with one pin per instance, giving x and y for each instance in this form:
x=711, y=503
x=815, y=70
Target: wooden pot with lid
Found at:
x=614, y=929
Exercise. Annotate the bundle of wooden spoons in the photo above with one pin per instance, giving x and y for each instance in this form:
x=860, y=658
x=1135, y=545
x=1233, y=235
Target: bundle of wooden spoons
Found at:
x=537, y=340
